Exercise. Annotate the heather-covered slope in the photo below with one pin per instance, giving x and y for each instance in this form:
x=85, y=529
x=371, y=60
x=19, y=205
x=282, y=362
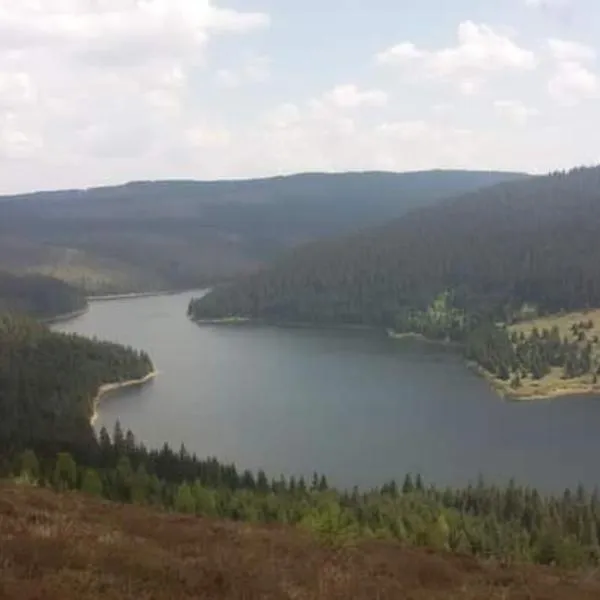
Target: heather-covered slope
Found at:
x=69, y=546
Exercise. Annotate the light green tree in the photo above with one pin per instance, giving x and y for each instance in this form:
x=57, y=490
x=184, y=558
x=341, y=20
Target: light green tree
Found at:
x=29, y=467
x=184, y=500
x=140, y=482
x=91, y=483
x=205, y=499
x=65, y=472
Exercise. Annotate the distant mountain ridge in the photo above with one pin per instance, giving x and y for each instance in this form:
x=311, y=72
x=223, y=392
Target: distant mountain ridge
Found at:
x=530, y=241
x=145, y=236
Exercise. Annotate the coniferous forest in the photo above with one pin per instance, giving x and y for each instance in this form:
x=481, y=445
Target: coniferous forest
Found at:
x=463, y=271
x=38, y=296
x=532, y=241
x=48, y=382
x=459, y=271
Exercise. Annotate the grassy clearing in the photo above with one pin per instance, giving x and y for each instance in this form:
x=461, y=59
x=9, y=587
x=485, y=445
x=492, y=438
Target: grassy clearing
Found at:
x=554, y=385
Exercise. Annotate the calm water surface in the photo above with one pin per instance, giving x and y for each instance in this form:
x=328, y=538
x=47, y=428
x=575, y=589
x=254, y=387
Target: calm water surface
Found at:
x=359, y=407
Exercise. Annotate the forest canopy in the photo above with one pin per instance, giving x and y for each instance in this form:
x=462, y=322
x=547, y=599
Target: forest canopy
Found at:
x=48, y=382
x=38, y=296
x=167, y=235
x=531, y=242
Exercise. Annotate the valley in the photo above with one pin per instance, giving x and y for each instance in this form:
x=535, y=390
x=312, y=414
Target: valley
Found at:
x=174, y=235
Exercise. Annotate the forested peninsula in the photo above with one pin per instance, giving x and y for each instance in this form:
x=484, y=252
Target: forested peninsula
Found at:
x=49, y=383
x=467, y=270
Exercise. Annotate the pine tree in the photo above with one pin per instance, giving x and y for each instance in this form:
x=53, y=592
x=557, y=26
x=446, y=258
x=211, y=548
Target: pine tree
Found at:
x=118, y=438
x=408, y=486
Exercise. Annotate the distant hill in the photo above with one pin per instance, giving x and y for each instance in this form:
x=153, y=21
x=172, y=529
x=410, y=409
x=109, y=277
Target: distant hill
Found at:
x=38, y=296
x=148, y=236
x=534, y=241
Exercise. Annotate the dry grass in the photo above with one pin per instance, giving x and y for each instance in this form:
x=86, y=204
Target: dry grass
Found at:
x=55, y=547
x=562, y=321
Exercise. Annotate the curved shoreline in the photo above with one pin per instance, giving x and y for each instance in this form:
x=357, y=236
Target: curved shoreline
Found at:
x=106, y=388
x=65, y=317
x=134, y=295
x=554, y=392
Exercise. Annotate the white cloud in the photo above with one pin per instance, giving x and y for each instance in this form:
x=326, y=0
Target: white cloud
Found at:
x=97, y=91
x=422, y=131
x=470, y=87
x=209, y=137
x=515, y=111
x=479, y=48
x=103, y=29
x=548, y=4
x=253, y=70
x=350, y=96
x=573, y=83
x=85, y=76
x=564, y=50
x=403, y=52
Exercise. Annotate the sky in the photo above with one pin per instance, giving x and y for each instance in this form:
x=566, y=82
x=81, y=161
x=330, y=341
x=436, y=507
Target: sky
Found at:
x=96, y=92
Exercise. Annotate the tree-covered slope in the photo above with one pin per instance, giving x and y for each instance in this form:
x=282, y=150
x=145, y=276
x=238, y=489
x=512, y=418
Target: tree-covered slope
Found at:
x=534, y=241
x=48, y=382
x=162, y=235
x=38, y=296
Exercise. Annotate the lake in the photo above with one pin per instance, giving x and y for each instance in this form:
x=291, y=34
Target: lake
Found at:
x=354, y=405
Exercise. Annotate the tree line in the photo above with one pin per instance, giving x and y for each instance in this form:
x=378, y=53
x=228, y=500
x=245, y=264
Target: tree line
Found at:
x=515, y=356
x=510, y=523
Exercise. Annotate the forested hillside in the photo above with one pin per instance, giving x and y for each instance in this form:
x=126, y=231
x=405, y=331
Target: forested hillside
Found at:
x=38, y=296
x=150, y=236
x=48, y=382
x=495, y=251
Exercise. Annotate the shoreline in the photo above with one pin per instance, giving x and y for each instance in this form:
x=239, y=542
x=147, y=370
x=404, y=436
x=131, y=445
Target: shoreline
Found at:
x=107, y=388
x=501, y=388
x=419, y=337
x=284, y=324
x=134, y=295
x=555, y=392
x=65, y=317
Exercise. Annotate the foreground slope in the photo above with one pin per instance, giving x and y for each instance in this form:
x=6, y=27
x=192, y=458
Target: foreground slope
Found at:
x=527, y=242
x=148, y=236
x=59, y=547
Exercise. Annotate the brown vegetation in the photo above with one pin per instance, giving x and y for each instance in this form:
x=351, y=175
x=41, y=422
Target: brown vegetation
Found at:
x=58, y=547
